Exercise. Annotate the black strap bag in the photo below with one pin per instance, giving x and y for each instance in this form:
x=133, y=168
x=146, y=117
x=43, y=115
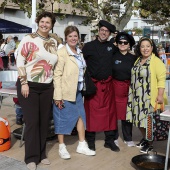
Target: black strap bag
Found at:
x=89, y=87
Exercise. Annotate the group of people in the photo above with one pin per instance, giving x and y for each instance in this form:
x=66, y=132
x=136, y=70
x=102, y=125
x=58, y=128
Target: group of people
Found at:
x=51, y=80
x=7, y=49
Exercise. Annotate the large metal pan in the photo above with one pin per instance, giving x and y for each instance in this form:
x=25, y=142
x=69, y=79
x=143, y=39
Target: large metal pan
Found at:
x=149, y=161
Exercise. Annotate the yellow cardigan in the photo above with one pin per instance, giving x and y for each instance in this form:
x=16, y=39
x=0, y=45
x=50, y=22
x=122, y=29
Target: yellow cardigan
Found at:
x=158, y=77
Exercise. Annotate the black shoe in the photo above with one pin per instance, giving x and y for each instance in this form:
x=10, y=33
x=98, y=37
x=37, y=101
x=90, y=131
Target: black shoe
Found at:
x=112, y=146
x=142, y=143
x=19, y=121
x=91, y=146
x=147, y=148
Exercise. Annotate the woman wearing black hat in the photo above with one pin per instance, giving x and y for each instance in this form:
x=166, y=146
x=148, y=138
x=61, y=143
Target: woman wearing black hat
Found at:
x=122, y=63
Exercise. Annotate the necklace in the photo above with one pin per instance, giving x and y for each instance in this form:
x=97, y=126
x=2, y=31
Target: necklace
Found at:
x=44, y=38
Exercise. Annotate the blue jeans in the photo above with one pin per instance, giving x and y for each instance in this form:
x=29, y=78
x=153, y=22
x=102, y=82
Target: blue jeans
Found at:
x=18, y=111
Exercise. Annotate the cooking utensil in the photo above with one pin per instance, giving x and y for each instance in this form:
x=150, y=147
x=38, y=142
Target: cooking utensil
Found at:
x=149, y=161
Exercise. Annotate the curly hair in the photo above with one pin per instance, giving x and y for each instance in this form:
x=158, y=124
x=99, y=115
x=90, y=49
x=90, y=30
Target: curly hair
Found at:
x=46, y=14
x=137, y=49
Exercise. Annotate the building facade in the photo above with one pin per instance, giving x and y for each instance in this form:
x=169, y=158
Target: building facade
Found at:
x=14, y=14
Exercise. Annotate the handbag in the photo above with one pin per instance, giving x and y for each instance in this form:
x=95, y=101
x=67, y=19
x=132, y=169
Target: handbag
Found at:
x=89, y=87
x=160, y=127
x=149, y=127
x=156, y=129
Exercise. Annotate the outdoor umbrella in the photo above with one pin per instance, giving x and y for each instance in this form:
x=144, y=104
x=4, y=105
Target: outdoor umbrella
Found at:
x=9, y=27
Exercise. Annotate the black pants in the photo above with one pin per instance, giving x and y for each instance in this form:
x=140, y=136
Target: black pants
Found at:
x=36, y=113
x=12, y=58
x=110, y=136
x=5, y=60
x=126, y=131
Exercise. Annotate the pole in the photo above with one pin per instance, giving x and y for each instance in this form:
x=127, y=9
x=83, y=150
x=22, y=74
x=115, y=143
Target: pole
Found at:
x=33, y=15
x=152, y=31
x=52, y=3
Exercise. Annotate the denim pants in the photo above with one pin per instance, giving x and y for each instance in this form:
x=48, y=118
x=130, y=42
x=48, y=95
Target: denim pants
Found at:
x=18, y=110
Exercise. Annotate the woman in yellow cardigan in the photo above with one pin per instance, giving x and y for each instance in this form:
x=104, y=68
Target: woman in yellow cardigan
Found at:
x=147, y=87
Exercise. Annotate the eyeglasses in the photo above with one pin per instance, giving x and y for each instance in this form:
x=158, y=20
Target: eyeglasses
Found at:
x=106, y=31
x=123, y=42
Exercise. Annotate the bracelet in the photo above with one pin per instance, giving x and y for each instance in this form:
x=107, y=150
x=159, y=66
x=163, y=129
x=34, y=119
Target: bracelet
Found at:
x=24, y=84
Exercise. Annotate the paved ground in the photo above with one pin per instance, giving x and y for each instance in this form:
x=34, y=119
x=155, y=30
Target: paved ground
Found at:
x=7, y=163
x=13, y=159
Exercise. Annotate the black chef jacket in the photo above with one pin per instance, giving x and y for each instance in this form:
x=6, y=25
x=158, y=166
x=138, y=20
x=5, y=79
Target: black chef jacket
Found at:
x=122, y=65
x=99, y=56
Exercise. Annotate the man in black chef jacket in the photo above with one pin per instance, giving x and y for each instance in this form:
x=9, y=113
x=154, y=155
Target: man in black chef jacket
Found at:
x=100, y=109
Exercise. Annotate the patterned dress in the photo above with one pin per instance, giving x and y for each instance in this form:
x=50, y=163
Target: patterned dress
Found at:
x=139, y=104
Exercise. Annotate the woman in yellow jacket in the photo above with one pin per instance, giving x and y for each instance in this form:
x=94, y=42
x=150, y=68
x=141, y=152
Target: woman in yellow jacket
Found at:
x=68, y=108
x=147, y=87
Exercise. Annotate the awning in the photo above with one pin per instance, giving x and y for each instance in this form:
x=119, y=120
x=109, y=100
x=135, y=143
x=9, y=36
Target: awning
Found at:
x=8, y=27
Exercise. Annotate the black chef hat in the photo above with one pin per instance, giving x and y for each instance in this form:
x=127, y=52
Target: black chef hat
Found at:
x=125, y=36
x=108, y=25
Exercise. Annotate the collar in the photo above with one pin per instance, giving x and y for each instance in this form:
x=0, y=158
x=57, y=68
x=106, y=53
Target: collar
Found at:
x=70, y=52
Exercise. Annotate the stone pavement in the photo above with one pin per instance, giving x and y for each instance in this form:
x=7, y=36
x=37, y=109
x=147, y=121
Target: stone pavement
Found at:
x=7, y=163
x=105, y=159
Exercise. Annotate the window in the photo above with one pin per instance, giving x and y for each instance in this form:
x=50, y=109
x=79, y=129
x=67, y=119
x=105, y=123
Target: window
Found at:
x=135, y=24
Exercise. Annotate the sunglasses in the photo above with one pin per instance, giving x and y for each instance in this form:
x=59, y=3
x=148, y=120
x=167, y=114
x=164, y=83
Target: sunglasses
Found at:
x=123, y=42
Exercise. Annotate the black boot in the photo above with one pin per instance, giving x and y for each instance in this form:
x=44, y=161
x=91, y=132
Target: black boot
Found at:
x=90, y=138
x=112, y=146
x=19, y=121
x=110, y=136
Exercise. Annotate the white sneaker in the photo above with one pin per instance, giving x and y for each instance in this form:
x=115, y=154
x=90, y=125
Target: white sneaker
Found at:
x=45, y=161
x=84, y=149
x=31, y=166
x=116, y=143
x=130, y=143
x=63, y=153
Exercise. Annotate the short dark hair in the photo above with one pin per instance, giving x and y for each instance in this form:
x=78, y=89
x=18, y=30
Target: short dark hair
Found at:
x=15, y=38
x=137, y=49
x=71, y=29
x=46, y=14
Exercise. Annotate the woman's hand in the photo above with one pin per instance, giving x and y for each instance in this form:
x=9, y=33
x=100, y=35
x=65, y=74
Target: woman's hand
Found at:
x=25, y=90
x=160, y=99
x=59, y=104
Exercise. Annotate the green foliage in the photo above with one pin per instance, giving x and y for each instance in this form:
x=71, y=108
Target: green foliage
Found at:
x=157, y=10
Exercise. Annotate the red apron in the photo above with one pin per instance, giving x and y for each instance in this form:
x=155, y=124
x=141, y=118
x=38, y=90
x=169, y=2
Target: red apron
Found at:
x=1, y=63
x=121, y=90
x=100, y=108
